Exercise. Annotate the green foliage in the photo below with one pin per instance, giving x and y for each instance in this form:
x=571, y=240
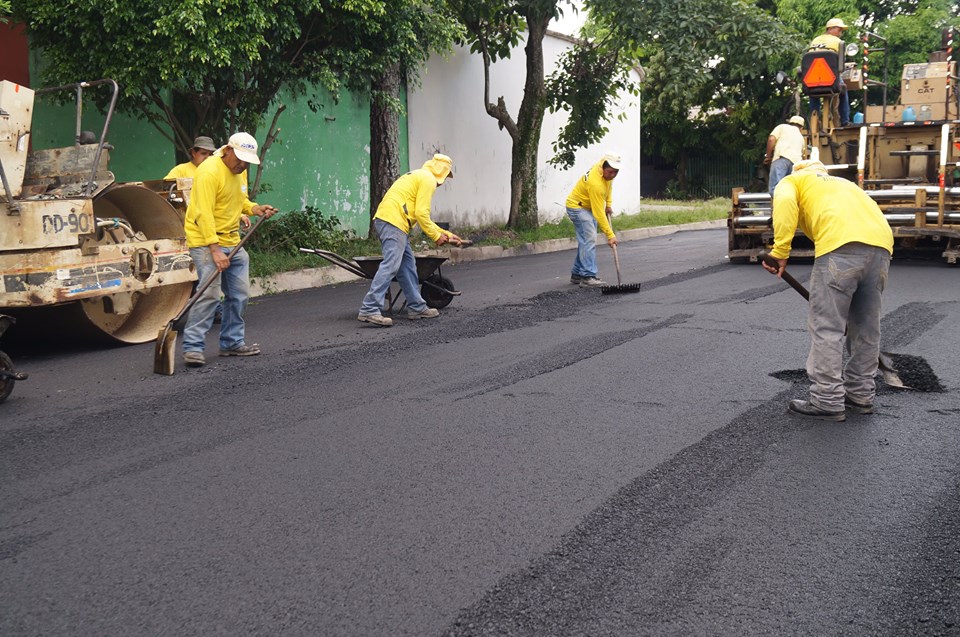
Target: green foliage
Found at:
x=226, y=61
x=705, y=61
x=4, y=11
x=910, y=39
x=586, y=83
x=308, y=228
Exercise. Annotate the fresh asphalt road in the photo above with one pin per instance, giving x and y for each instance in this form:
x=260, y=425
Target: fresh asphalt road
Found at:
x=540, y=460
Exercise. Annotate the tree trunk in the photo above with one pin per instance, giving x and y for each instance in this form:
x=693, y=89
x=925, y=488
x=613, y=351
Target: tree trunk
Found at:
x=384, y=136
x=524, y=210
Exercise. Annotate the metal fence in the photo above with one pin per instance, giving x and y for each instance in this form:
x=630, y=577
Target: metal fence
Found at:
x=711, y=176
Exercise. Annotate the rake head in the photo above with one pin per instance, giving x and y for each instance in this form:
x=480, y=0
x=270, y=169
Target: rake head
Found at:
x=626, y=288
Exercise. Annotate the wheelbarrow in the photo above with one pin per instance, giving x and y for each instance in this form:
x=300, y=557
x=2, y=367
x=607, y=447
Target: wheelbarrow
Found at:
x=8, y=376
x=437, y=291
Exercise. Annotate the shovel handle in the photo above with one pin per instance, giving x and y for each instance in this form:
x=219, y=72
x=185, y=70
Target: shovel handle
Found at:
x=786, y=276
x=210, y=279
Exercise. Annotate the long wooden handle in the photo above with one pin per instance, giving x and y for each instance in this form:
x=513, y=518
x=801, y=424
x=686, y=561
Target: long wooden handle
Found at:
x=786, y=276
x=616, y=260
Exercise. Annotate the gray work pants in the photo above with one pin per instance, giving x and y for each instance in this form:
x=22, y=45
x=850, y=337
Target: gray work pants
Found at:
x=845, y=290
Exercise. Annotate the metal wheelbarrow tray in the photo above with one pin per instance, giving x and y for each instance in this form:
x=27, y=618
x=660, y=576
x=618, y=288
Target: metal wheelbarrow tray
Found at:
x=436, y=289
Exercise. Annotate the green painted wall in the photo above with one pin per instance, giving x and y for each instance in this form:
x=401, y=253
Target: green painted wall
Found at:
x=140, y=152
x=322, y=159
x=319, y=159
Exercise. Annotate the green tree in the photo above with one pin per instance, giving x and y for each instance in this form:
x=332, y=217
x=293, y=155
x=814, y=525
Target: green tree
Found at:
x=395, y=47
x=910, y=39
x=710, y=74
x=224, y=61
x=493, y=28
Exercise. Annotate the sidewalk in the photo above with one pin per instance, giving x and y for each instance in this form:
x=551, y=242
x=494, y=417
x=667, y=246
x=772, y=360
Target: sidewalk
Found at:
x=331, y=275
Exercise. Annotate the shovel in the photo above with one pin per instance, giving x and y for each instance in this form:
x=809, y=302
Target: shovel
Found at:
x=887, y=368
x=164, y=351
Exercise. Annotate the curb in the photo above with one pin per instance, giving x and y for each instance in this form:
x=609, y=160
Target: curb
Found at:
x=332, y=275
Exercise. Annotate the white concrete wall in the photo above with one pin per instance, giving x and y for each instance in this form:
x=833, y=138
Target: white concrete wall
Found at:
x=446, y=114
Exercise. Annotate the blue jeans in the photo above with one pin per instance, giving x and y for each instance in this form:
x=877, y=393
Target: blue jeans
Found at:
x=585, y=263
x=398, y=261
x=845, y=291
x=234, y=284
x=779, y=169
x=843, y=108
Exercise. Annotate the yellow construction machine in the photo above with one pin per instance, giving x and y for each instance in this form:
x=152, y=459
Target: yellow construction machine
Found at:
x=905, y=156
x=81, y=254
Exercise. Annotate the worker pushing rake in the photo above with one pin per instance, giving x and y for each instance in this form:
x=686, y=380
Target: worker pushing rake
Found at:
x=589, y=207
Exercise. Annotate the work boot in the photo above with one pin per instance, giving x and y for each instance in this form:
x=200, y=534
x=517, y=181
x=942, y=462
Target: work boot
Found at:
x=244, y=350
x=377, y=319
x=194, y=359
x=576, y=279
x=857, y=406
x=804, y=408
x=592, y=282
x=430, y=312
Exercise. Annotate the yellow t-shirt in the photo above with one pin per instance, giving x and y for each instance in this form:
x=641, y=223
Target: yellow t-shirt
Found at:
x=831, y=211
x=789, y=144
x=218, y=199
x=594, y=193
x=408, y=202
x=826, y=41
x=182, y=171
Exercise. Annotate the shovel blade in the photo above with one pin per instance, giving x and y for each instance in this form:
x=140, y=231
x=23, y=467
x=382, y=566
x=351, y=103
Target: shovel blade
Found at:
x=889, y=372
x=164, y=351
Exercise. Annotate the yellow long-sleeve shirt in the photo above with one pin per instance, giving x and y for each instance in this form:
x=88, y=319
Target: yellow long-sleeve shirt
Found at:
x=217, y=200
x=829, y=210
x=182, y=171
x=595, y=194
x=408, y=202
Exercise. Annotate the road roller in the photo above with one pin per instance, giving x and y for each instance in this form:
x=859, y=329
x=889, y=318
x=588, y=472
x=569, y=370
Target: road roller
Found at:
x=81, y=255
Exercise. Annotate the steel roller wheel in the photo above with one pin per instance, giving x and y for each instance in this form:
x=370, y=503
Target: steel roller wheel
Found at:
x=144, y=313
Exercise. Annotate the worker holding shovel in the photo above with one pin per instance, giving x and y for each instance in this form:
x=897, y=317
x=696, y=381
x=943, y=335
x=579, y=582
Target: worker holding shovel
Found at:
x=853, y=244
x=218, y=207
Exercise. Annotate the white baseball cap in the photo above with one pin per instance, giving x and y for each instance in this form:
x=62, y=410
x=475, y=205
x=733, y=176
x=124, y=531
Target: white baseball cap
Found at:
x=613, y=160
x=245, y=147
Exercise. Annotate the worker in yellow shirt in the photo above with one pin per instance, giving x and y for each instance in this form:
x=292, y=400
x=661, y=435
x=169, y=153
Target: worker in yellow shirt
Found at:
x=406, y=202
x=202, y=148
x=589, y=206
x=217, y=208
x=853, y=244
x=830, y=40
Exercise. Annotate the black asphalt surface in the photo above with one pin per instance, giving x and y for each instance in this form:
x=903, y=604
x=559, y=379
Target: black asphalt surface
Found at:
x=540, y=460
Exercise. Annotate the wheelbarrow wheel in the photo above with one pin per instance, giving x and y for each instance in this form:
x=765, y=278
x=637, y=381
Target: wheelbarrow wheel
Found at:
x=6, y=384
x=434, y=297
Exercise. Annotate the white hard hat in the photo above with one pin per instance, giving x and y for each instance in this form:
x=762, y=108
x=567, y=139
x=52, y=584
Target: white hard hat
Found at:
x=836, y=22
